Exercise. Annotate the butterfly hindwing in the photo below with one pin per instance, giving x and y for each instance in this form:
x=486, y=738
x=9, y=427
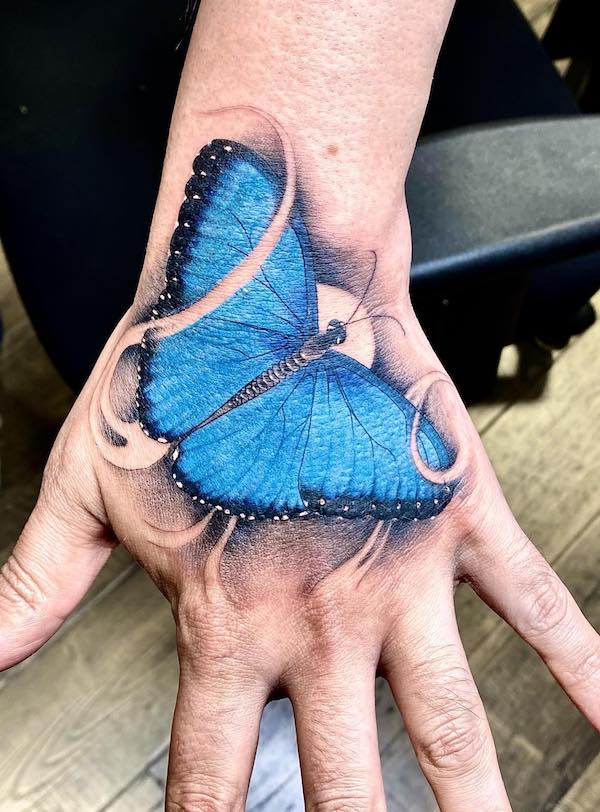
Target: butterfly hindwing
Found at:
x=361, y=429
x=249, y=460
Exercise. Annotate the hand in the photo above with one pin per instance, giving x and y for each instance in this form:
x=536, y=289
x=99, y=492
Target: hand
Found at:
x=272, y=596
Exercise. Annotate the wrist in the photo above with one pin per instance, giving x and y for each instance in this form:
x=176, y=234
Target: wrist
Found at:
x=348, y=226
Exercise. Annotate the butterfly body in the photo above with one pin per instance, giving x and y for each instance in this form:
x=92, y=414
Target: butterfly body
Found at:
x=264, y=418
x=313, y=348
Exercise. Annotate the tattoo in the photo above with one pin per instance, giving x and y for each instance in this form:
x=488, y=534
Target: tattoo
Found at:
x=249, y=401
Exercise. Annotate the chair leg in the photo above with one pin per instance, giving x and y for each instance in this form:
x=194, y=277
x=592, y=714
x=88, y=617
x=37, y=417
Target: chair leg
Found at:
x=557, y=334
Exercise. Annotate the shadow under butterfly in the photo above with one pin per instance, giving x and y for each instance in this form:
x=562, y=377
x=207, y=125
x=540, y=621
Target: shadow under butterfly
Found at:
x=262, y=416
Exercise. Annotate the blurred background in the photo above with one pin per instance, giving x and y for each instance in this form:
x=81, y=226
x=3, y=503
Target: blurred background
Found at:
x=507, y=232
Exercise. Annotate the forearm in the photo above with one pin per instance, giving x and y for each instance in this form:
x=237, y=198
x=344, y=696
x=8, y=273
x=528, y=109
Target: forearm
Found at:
x=348, y=81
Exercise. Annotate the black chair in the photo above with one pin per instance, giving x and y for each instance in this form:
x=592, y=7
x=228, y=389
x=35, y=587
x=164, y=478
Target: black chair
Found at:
x=504, y=197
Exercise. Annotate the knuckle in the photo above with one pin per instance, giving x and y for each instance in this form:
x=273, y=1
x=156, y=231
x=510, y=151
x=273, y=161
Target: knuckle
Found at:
x=336, y=793
x=190, y=798
x=212, y=641
x=19, y=589
x=326, y=621
x=454, y=746
x=55, y=486
x=547, y=603
x=67, y=498
x=452, y=738
x=201, y=629
x=585, y=672
x=189, y=616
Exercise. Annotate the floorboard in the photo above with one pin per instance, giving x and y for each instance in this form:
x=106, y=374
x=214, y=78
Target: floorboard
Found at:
x=83, y=721
x=143, y=794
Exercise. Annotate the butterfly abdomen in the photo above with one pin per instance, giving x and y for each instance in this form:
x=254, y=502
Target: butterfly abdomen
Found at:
x=312, y=349
x=269, y=378
x=261, y=384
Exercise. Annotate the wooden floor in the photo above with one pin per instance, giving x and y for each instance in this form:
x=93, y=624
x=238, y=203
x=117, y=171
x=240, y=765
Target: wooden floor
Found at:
x=84, y=725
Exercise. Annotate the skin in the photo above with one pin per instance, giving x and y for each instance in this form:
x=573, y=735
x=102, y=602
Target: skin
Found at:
x=314, y=609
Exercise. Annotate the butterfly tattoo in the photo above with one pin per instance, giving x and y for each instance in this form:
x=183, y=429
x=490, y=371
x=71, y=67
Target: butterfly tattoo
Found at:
x=257, y=411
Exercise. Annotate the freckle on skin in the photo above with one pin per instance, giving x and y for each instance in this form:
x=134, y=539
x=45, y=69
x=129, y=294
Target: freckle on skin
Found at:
x=332, y=149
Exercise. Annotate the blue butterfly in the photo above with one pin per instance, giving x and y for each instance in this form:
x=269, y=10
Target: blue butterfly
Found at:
x=263, y=416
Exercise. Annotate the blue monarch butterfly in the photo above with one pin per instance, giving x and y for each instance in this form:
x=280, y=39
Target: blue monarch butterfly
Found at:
x=264, y=418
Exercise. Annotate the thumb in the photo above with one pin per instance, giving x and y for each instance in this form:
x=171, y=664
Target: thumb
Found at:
x=59, y=553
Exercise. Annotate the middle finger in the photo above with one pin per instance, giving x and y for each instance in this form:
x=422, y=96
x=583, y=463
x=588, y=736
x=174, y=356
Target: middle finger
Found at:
x=337, y=737
x=427, y=669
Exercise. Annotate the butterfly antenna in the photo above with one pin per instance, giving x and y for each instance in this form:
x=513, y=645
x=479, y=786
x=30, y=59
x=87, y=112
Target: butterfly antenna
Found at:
x=379, y=316
x=366, y=290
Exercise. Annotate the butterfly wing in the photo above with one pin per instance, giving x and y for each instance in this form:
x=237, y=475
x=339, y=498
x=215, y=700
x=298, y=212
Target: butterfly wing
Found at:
x=358, y=456
x=333, y=438
x=248, y=461
x=230, y=202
